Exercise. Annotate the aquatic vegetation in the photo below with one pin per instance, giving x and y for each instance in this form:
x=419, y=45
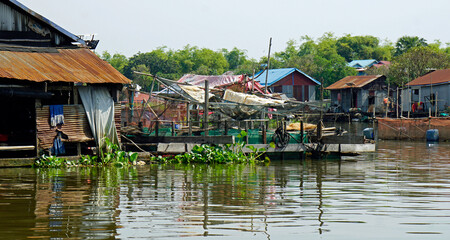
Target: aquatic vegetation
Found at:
x=111, y=155
x=230, y=153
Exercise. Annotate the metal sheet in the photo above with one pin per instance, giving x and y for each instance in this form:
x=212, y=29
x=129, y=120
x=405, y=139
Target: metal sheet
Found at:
x=436, y=77
x=353, y=82
x=77, y=65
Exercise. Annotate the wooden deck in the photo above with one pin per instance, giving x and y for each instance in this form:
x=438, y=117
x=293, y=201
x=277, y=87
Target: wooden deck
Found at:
x=345, y=149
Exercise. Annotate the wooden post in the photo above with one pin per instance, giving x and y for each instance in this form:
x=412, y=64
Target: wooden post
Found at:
x=205, y=108
x=253, y=81
x=189, y=119
x=173, y=128
x=268, y=66
x=264, y=133
x=436, y=104
x=75, y=101
x=396, y=104
x=37, y=104
x=387, y=103
x=246, y=130
x=401, y=106
x=157, y=128
x=226, y=128
x=319, y=130
x=301, y=132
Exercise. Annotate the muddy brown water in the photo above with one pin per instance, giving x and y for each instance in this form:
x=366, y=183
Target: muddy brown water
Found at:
x=400, y=192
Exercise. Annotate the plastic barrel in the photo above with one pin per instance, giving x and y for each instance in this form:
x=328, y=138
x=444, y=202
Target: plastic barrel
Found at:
x=368, y=133
x=432, y=135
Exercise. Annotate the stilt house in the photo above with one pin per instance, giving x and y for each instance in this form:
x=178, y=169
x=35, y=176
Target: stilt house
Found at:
x=428, y=92
x=53, y=89
x=365, y=93
x=290, y=81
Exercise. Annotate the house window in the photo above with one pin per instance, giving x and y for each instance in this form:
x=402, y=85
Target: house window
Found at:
x=416, y=91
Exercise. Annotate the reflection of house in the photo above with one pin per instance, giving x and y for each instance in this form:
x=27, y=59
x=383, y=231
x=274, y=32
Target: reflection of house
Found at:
x=43, y=65
x=363, y=92
x=421, y=92
x=290, y=81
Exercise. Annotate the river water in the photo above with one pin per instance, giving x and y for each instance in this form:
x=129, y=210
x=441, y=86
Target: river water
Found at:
x=400, y=192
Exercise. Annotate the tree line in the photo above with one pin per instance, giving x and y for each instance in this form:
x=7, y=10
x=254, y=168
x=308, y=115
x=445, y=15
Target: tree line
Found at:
x=324, y=59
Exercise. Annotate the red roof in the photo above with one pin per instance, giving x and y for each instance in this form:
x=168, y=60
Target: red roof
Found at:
x=57, y=65
x=353, y=82
x=141, y=96
x=382, y=64
x=435, y=77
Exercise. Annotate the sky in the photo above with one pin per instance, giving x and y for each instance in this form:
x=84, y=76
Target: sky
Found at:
x=132, y=26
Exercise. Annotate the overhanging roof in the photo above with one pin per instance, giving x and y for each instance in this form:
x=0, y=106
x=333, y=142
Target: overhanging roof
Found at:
x=353, y=82
x=435, y=77
x=58, y=65
x=276, y=75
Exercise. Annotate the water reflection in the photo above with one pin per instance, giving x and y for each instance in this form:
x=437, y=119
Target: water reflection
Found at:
x=400, y=192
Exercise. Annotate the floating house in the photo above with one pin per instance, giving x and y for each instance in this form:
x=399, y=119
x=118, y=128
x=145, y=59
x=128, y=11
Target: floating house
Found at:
x=428, y=92
x=290, y=81
x=365, y=93
x=56, y=96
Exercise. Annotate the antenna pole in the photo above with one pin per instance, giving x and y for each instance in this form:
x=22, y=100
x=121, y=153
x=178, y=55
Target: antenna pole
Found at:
x=268, y=66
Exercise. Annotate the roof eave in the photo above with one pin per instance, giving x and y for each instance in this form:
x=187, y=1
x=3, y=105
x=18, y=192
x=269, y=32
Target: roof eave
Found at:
x=47, y=21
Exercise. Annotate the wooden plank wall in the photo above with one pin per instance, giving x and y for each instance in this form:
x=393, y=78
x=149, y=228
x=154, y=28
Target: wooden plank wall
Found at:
x=76, y=125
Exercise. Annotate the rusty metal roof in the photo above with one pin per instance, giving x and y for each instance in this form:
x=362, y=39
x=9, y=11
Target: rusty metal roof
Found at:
x=353, y=82
x=60, y=65
x=435, y=77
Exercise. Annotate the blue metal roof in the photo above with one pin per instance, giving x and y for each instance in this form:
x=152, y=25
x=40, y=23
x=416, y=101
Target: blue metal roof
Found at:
x=47, y=21
x=362, y=63
x=276, y=75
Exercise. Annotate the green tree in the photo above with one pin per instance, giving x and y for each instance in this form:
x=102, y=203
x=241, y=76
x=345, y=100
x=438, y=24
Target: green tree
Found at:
x=118, y=61
x=357, y=47
x=235, y=57
x=158, y=62
x=415, y=63
x=405, y=43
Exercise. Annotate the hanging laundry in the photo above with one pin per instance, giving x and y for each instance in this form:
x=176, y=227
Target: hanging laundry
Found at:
x=58, y=146
x=56, y=115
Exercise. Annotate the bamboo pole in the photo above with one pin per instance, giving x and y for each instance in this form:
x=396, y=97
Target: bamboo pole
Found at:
x=268, y=65
x=205, y=108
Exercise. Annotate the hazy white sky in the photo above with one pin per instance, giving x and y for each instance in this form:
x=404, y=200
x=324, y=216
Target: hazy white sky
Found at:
x=132, y=26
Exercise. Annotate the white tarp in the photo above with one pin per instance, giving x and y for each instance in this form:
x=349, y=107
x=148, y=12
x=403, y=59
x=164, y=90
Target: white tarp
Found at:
x=195, y=92
x=249, y=99
x=99, y=107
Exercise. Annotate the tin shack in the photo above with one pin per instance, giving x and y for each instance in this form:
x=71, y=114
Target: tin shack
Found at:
x=56, y=96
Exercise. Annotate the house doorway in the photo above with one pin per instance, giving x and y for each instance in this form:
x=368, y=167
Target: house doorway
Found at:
x=17, y=126
x=354, y=99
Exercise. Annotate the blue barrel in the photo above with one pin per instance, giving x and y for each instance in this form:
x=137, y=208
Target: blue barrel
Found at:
x=368, y=133
x=432, y=135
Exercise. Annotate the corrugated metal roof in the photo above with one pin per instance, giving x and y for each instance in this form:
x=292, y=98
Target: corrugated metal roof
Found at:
x=276, y=75
x=435, y=77
x=362, y=63
x=65, y=65
x=353, y=82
